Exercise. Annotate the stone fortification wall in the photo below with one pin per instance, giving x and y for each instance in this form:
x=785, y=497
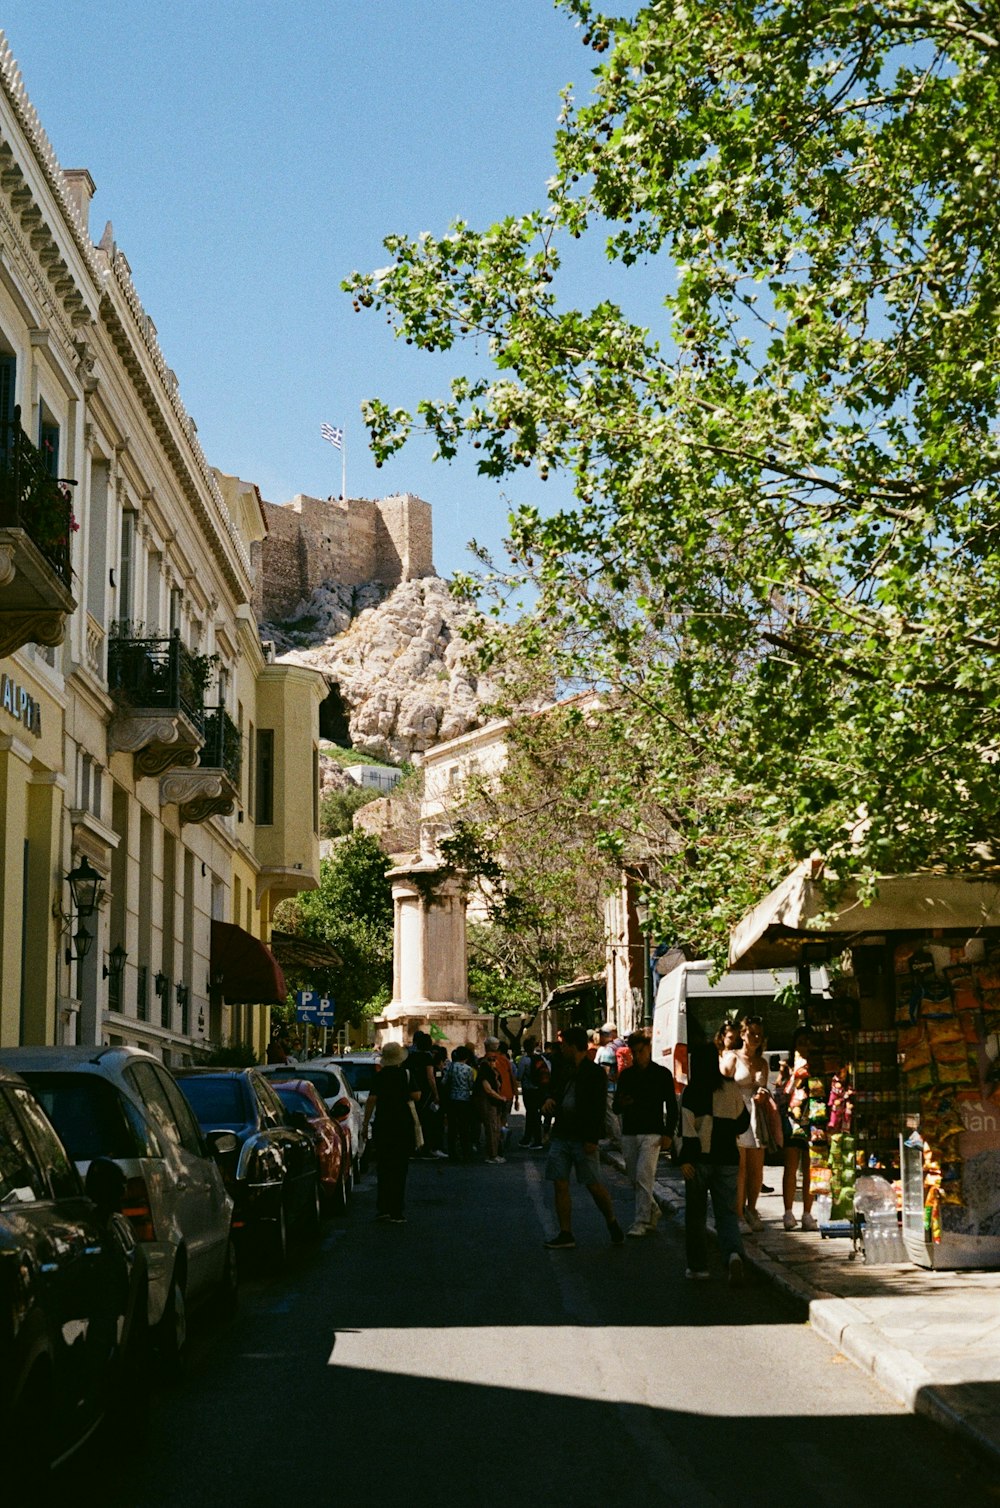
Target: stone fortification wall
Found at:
x=312, y=541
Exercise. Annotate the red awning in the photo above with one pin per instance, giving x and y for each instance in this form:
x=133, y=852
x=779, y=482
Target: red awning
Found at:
x=244, y=971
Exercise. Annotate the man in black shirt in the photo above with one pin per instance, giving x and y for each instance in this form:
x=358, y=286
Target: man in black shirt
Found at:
x=423, y=1088
x=579, y=1101
x=647, y=1103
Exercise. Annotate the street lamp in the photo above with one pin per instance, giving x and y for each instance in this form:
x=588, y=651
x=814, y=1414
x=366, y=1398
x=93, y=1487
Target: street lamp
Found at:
x=86, y=888
x=115, y=966
x=642, y=917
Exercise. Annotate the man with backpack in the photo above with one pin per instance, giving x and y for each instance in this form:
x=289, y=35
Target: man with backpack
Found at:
x=534, y=1075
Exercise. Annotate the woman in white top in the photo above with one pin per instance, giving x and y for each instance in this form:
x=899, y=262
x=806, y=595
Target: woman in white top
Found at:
x=750, y=1077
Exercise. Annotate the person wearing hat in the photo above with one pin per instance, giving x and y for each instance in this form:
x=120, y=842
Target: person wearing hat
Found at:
x=390, y=1100
x=606, y=1057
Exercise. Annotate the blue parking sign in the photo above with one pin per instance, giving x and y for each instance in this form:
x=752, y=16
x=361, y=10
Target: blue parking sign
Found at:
x=315, y=1009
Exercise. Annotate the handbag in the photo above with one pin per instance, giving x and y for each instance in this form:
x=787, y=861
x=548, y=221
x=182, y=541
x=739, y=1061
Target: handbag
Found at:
x=769, y=1129
x=418, y=1134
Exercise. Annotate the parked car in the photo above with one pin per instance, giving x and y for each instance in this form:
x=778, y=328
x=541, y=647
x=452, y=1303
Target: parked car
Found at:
x=122, y=1103
x=72, y=1294
x=331, y=1141
x=359, y=1069
x=337, y=1094
x=273, y=1174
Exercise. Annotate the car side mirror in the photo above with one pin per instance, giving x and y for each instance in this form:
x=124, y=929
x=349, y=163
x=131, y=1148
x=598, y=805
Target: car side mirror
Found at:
x=223, y=1143
x=105, y=1185
x=340, y=1109
x=300, y=1120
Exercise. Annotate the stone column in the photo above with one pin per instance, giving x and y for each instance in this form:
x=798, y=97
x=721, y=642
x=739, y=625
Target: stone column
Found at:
x=430, y=978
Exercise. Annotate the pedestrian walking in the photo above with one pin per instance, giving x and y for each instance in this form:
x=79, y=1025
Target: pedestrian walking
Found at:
x=712, y=1116
x=751, y=1078
x=423, y=1086
x=535, y=1074
x=504, y=1070
x=798, y=1129
x=579, y=1106
x=394, y=1132
x=489, y=1102
x=646, y=1100
x=460, y=1078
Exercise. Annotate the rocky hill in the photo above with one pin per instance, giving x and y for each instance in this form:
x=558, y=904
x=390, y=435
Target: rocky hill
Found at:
x=405, y=676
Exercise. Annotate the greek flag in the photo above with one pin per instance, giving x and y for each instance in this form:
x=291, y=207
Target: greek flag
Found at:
x=335, y=436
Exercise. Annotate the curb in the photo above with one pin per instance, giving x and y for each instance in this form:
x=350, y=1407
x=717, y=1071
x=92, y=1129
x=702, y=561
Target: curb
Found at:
x=843, y=1325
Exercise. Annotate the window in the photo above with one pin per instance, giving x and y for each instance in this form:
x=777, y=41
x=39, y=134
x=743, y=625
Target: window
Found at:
x=272, y=1110
x=251, y=763
x=93, y=1119
x=20, y=1180
x=190, y=1134
x=47, y=1147
x=8, y=373
x=176, y=599
x=48, y=443
x=264, y=777
x=219, y=1104
x=126, y=568
x=147, y=1085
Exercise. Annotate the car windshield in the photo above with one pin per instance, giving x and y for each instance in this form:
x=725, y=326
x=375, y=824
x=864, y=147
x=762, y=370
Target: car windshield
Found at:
x=326, y=1082
x=219, y=1104
x=92, y=1118
x=360, y=1076
x=294, y=1099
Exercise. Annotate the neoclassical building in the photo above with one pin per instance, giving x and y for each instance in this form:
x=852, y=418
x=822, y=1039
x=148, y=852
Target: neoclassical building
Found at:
x=151, y=750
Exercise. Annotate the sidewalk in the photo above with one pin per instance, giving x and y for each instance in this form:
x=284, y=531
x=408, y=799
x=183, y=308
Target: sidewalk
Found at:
x=931, y=1339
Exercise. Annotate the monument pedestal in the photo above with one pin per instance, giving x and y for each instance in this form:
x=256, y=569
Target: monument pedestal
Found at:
x=429, y=967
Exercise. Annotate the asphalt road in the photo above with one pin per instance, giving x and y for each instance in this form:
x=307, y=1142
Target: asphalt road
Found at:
x=453, y=1360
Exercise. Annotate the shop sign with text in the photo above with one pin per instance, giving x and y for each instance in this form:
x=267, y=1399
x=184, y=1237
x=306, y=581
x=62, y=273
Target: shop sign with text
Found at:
x=20, y=705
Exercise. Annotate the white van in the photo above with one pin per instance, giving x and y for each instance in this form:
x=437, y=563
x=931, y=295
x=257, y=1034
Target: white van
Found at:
x=690, y=1009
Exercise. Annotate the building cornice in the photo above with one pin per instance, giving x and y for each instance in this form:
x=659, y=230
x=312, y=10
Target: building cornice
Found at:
x=112, y=297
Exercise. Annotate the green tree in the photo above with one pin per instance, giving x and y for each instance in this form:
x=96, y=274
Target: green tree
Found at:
x=790, y=484
x=525, y=836
x=352, y=911
x=337, y=808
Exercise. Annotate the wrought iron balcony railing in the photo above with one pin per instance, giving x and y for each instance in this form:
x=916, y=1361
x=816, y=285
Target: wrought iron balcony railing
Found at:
x=221, y=749
x=158, y=673
x=33, y=500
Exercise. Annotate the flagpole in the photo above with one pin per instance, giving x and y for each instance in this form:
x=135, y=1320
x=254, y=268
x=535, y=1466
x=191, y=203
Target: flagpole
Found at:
x=343, y=468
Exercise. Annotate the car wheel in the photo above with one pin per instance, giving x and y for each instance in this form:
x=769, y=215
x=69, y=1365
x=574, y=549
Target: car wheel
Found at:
x=342, y=1190
x=312, y=1214
x=276, y=1240
x=229, y=1286
x=33, y=1427
x=171, y=1332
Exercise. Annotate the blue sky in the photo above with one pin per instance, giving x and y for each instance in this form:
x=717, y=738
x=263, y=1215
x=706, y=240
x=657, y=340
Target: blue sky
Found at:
x=250, y=155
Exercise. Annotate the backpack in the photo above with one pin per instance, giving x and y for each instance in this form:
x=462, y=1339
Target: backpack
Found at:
x=539, y=1072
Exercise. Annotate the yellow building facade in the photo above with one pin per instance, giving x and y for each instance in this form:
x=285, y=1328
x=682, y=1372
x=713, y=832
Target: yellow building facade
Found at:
x=147, y=736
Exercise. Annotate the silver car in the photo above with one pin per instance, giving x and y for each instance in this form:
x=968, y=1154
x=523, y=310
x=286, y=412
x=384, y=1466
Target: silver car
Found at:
x=122, y=1103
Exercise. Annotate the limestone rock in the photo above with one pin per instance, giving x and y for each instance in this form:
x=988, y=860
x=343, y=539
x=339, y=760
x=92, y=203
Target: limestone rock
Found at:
x=406, y=677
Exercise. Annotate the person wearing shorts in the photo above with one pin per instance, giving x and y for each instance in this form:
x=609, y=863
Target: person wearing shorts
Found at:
x=580, y=1107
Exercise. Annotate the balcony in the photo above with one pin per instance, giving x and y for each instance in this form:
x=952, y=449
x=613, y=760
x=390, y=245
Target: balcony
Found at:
x=36, y=525
x=212, y=788
x=159, y=686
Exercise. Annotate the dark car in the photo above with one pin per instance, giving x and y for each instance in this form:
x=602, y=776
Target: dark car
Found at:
x=273, y=1177
x=72, y=1292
